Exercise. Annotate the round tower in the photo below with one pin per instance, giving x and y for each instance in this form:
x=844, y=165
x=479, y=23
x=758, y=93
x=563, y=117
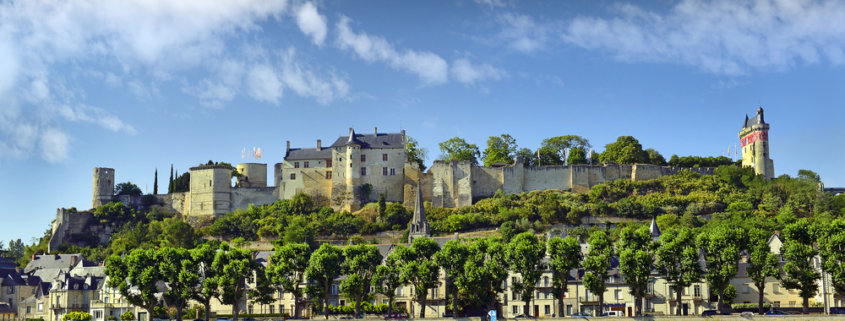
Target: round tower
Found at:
x=103, y=186
x=754, y=138
x=353, y=157
x=256, y=173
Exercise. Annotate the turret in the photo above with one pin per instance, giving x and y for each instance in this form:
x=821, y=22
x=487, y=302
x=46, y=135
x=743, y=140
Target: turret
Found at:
x=418, y=227
x=754, y=139
x=103, y=186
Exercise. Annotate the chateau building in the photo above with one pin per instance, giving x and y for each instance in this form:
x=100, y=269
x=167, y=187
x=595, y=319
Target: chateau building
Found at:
x=754, y=138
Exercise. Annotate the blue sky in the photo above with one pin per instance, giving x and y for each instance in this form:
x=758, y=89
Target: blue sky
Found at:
x=140, y=85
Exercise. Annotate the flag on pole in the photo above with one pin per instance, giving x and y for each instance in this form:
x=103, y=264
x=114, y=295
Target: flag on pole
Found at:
x=729, y=150
x=259, y=153
x=243, y=153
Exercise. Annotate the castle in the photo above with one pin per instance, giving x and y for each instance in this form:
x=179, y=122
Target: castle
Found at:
x=357, y=168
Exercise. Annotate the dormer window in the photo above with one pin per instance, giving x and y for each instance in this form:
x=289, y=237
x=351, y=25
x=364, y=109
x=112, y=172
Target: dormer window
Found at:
x=76, y=286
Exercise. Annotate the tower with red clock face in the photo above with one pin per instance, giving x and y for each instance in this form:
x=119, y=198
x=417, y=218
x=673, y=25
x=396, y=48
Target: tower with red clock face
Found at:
x=754, y=139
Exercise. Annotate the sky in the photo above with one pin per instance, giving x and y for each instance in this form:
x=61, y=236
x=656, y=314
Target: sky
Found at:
x=141, y=85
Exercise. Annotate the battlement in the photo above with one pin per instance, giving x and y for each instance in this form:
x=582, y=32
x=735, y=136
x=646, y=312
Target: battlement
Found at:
x=201, y=167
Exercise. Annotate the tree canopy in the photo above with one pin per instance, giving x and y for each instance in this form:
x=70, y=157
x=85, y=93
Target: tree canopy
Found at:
x=500, y=149
x=458, y=149
x=625, y=150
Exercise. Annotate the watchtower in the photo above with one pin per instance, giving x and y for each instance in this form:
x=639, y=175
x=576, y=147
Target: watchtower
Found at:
x=103, y=186
x=211, y=190
x=754, y=138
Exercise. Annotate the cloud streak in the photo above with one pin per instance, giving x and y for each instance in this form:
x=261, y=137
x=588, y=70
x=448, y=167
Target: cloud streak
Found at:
x=719, y=37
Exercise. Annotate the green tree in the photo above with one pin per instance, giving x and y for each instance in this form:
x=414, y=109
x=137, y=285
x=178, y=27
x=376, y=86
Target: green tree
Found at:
x=127, y=316
x=382, y=205
x=667, y=221
x=529, y=158
x=486, y=270
x=831, y=238
x=299, y=231
x=452, y=258
x=416, y=155
x=178, y=234
x=359, y=265
x=500, y=149
x=636, y=259
x=207, y=284
x=457, y=149
x=135, y=276
x=655, y=158
x=721, y=246
x=525, y=255
x=127, y=188
x=762, y=263
x=626, y=150
x=287, y=269
x=178, y=270
x=598, y=264
x=323, y=267
x=234, y=271
x=170, y=183
x=388, y=278
x=508, y=231
x=798, y=252
x=155, y=183
x=730, y=294
x=564, y=256
x=577, y=156
x=677, y=260
x=419, y=269
x=552, y=149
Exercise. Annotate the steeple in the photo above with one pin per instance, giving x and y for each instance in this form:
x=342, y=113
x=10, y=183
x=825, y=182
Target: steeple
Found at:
x=419, y=226
x=655, y=231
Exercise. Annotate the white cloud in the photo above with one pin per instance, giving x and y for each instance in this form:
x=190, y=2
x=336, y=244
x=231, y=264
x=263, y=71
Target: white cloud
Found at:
x=429, y=67
x=721, y=37
x=492, y=3
x=522, y=33
x=467, y=73
x=264, y=85
x=306, y=82
x=311, y=23
x=53, y=145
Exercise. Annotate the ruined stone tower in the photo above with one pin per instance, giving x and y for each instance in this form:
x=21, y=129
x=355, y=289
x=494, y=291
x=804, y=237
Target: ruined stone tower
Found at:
x=418, y=227
x=103, y=186
x=211, y=190
x=754, y=138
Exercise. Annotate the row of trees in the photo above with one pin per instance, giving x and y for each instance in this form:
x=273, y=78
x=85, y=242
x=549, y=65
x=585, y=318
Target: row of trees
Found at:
x=504, y=149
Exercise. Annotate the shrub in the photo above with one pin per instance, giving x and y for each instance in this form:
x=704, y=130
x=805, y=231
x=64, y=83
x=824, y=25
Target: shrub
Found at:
x=127, y=316
x=77, y=316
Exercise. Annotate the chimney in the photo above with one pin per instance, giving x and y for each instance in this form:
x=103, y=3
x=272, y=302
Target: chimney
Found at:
x=73, y=260
x=375, y=131
x=287, y=150
x=319, y=145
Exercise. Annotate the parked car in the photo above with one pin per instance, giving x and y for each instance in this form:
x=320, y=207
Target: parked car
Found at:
x=249, y=319
x=221, y=319
x=395, y=316
x=345, y=317
x=747, y=314
x=776, y=312
x=613, y=314
x=199, y=319
x=707, y=313
x=581, y=315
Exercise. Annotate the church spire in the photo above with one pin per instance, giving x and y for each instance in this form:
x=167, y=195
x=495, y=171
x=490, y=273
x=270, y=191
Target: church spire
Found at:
x=419, y=226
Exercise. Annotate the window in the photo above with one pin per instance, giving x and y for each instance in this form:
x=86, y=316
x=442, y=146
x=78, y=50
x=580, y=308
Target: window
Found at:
x=334, y=288
x=106, y=300
x=295, y=164
x=40, y=306
x=745, y=288
x=545, y=281
x=384, y=157
x=617, y=294
x=292, y=176
x=547, y=295
x=392, y=171
x=515, y=309
x=363, y=158
x=28, y=310
x=272, y=308
x=384, y=171
x=697, y=291
x=538, y=294
x=514, y=295
x=791, y=303
x=686, y=291
x=548, y=309
x=399, y=291
x=249, y=310
x=776, y=304
x=329, y=175
x=342, y=302
x=10, y=290
x=513, y=281
x=281, y=309
x=363, y=171
x=775, y=288
x=329, y=163
x=305, y=164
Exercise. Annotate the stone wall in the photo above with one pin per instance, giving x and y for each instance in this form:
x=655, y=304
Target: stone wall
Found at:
x=69, y=223
x=455, y=184
x=243, y=196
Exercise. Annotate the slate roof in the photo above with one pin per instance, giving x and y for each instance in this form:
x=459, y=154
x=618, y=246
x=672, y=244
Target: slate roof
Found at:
x=7, y=264
x=56, y=261
x=6, y=309
x=756, y=120
x=263, y=257
x=382, y=140
x=11, y=278
x=309, y=153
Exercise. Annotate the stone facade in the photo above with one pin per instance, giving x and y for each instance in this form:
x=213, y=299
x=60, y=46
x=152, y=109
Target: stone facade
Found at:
x=754, y=138
x=103, y=186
